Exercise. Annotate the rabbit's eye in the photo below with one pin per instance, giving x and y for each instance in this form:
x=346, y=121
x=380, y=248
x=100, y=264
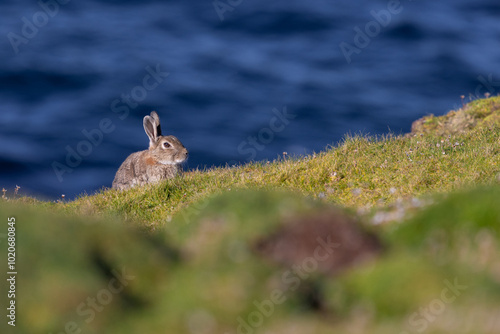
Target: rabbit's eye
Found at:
x=166, y=145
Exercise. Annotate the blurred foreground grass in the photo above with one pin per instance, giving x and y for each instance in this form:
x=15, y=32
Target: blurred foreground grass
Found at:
x=185, y=256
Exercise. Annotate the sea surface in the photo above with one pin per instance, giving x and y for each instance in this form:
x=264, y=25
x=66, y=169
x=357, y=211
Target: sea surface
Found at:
x=77, y=77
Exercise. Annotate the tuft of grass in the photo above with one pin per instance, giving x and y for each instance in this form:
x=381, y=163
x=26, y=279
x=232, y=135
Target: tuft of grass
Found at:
x=476, y=114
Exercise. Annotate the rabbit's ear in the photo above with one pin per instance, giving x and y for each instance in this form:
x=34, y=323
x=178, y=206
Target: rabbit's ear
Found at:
x=157, y=121
x=150, y=128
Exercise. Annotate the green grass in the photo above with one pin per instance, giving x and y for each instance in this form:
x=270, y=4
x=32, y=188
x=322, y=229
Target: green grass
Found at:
x=360, y=172
x=190, y=242
x=203, y=271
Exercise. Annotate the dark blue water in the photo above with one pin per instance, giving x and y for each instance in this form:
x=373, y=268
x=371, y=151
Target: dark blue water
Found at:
x=72, y=69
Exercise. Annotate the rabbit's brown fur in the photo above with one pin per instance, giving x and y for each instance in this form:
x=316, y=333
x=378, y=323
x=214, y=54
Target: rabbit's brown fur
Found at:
x=163, y=160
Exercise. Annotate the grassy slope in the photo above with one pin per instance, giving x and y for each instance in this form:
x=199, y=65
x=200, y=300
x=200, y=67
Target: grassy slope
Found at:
x=197, y=273
x=441, y=154
x=361, y=171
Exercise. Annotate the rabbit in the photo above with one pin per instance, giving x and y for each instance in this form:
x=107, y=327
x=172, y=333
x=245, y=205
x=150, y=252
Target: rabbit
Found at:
x=162, y=161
